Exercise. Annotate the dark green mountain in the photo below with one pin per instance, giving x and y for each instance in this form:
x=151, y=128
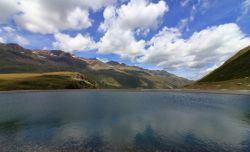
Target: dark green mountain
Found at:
x=237, y=67
x=15, y=59
x=233, y=74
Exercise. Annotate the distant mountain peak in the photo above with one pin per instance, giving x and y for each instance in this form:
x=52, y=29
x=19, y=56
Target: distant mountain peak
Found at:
x=52, y=53
x=15, y=46
x=41, y=52
x=114, y=63
x=106, y=75
x=60, y=53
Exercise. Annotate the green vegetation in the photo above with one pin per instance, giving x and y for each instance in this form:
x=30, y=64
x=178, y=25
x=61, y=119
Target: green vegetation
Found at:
x=237, y=67
x=234, y=74
x=235, y=84
x=127, y=78
x=44, y=81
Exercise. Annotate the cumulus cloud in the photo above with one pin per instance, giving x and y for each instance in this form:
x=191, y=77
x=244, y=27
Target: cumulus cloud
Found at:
x=121, y=42
x=211, y=46
x=121, y=24
x=46, y=16
x=55, y=17
x=135, y=14
x=8, y=9
x=78, y=43
x=11, y=35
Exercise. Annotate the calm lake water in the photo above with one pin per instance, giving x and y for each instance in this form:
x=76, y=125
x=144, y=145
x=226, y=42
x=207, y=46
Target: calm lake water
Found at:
x=124, y=121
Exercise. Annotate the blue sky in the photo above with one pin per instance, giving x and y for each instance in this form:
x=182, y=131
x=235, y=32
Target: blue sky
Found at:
x=186, y=37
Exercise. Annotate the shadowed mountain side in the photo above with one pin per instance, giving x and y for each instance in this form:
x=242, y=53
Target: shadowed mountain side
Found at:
x=233, y=74
x=237, y=67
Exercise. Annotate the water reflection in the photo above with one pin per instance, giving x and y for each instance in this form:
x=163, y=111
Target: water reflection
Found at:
x=150, y=140
x=124, y=121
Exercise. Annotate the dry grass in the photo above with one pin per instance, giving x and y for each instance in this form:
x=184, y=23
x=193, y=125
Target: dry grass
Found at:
x=43, y=81
x=236, y=84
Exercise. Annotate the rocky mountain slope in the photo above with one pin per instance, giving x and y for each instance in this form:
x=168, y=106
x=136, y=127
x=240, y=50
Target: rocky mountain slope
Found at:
x=16, y=59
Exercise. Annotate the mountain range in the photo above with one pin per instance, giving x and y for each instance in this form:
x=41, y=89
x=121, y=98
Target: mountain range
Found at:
x=22, y=68
x=17, y=61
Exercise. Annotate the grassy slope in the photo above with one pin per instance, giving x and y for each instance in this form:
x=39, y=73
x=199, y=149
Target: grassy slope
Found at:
x=235, y=84
x=131, y=79
x=237, y=67
x=233, y=74
x=44, y=81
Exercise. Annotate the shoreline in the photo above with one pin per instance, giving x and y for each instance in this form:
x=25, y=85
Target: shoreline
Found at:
x=224, y=91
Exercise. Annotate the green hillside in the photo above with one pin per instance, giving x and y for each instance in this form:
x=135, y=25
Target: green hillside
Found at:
x=234, y=84
x=234, y=74
x=129, y=79
x=237, y=67
x=44, y=81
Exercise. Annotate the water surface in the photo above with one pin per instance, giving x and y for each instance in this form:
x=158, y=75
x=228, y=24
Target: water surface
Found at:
x=124, y=121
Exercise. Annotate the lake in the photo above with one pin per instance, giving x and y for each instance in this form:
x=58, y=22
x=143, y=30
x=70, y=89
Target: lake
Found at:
x=114, y=121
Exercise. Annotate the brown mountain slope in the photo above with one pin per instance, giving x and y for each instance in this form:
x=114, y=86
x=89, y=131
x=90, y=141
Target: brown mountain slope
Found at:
x=15, y=59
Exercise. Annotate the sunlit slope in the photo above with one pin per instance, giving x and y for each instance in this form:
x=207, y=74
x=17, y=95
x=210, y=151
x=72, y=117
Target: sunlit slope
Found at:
x=44, y=81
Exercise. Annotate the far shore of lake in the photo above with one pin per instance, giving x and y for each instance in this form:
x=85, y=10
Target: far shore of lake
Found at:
x=222, y=91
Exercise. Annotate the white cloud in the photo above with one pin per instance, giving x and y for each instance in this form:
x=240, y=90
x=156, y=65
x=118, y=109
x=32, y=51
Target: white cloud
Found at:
x=96, y=4
x=204, y=4
x=11, y=35
x=183, y=23
x=103, y=59
x=244, y=9
x=9, y=29
x=2, y=40
x=70, y=44
x=184, y=2
x=246, y=5
x=21, y=40
x=46, y=16
x=121, y=24
x=136, y=14
x=211, y=46
x=121, y=42
x=199, y=6
x=8, y=8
